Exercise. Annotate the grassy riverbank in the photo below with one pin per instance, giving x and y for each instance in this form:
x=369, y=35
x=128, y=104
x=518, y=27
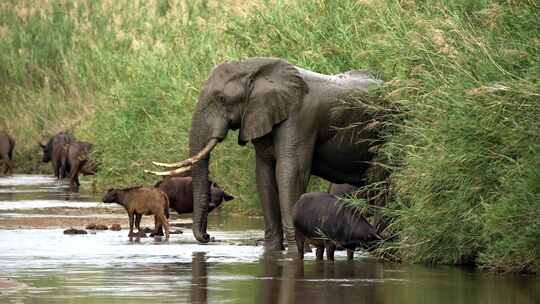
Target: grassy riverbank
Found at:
x=125, y=75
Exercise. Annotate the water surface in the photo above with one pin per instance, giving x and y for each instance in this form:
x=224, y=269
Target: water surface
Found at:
x=106, y=267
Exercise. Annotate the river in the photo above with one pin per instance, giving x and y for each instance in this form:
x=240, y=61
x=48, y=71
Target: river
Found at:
x=106, y=267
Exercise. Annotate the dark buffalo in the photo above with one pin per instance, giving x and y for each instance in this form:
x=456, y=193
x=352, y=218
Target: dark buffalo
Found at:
x=54, y=151
x=179, y=189
x=7, y=143
x=78, y=159
x=325, y=221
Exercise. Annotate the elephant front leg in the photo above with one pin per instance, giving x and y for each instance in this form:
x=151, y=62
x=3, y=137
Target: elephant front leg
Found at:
x=292, y=179
x=268, y=194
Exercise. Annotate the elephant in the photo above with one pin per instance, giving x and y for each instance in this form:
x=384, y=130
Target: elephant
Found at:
x=327, y=222
x=54, y=151
x=7, y=144
x=342, y=189
x=77, y=157
x=300, y=123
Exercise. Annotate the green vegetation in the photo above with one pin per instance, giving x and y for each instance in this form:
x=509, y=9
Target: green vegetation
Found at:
x=126, y=74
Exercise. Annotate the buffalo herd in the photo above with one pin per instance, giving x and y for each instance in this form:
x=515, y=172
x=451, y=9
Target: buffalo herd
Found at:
x=69, y=157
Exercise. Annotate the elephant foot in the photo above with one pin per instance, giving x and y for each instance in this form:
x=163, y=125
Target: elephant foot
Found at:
x=271, y=245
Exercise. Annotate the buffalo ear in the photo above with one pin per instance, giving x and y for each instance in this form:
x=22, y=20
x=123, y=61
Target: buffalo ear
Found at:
x=275, y=89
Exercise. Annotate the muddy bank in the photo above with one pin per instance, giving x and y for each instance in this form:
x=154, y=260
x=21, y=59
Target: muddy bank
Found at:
x=76, y=222
x=10, y=285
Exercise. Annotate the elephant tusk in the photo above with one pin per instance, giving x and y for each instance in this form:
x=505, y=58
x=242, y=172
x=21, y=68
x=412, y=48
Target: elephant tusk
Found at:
x=192, y=160
x=169, y=165
x=172, y=172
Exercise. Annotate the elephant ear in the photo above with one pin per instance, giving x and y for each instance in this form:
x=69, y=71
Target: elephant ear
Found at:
x=275, y=90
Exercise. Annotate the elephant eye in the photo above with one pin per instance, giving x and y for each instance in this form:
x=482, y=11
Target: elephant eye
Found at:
x=221, y=98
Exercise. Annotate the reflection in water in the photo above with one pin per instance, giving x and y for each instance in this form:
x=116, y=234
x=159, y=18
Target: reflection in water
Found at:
x=199, y=278
x=281, y=279
x=292, y=281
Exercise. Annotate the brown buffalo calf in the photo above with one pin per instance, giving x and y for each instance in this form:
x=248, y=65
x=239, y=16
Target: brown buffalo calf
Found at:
x=7, y=143
x=139, y=201
x=326, y=221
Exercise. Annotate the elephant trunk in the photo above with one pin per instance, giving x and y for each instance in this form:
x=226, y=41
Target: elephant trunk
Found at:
x=205, y=129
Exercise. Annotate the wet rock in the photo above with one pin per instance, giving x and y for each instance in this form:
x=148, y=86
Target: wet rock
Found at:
x=75, y=231
x=115, y=227
x=101, y=227
x=91, y=226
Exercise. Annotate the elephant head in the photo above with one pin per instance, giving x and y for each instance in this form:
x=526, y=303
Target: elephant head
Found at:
x=251, y=96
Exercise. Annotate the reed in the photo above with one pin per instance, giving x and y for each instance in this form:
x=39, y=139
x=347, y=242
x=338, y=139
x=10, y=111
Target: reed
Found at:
x=126, y=75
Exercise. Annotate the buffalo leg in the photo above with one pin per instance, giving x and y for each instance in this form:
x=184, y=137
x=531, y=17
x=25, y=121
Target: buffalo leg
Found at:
x=165, y=225
x=131, y=217
x=138, y=218
x=73, y=175
x=300, y=240
x=319, y=252
x=350, y=254
x=56, y=168
x=156, y=224
x=330, y=248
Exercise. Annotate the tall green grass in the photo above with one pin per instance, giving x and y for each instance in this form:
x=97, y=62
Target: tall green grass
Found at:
x=126, y=75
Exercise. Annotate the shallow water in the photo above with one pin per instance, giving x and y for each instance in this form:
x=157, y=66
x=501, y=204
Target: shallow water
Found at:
x=105, y=266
